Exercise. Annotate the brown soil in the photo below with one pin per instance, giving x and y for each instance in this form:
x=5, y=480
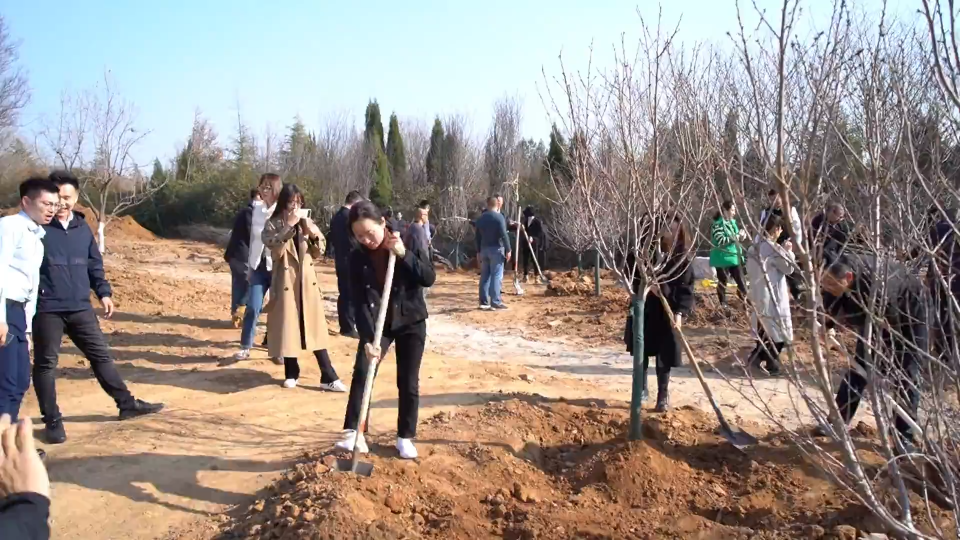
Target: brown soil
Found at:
x=528, y=467
x=121, y=228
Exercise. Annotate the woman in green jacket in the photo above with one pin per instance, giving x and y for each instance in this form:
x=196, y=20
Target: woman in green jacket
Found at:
x=727, y=255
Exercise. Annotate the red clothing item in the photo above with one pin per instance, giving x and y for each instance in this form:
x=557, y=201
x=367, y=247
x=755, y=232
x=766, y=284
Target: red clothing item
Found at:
x=380, y=258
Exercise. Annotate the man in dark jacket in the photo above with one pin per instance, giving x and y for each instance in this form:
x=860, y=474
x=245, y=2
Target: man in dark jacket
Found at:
x=71, y=268
x=25, y=510
x=340, y=240
x=898, y=341
x=532, y=229
x=236, y=255
x=831, y=233
x=493, y=250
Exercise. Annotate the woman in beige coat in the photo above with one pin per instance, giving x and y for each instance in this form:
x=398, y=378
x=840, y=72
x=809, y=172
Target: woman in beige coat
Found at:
x=295, y=314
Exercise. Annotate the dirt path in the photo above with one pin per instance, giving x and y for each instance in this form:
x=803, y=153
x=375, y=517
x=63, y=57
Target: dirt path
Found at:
x=229, y=431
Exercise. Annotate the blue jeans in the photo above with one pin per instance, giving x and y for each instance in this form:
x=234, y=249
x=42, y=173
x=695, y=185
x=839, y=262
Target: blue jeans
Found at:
x=238, y=286
x=491, y=275
x=259, y=285
x=14, y=361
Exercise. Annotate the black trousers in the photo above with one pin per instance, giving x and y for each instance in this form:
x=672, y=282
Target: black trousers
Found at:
x=905, y=372
x=766, y=351
x=83, y=328
x=526, y=256
x=723, y=276
x=344, y=306
x=410, y=342
x=291, y=367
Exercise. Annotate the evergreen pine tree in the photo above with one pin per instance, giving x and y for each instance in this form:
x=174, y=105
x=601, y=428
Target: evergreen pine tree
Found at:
x=556, y=157
x=434, y=160
x=381, y=193
x=396, y=153
x=374, y=125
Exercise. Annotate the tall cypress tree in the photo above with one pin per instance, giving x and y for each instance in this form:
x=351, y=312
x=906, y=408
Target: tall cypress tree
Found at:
x=374, y=125
x=434, y=161
x=396, y=153
x=381, y=193
x=556, y=156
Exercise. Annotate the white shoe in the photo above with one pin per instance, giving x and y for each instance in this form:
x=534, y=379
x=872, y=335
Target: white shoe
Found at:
x=406, y=448
x=335, y=386
x=242, y=355
x=347, y=442
x=290, y=383
x=485, y=307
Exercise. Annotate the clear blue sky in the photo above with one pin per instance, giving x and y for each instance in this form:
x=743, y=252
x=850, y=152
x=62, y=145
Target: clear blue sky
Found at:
x=288, y=57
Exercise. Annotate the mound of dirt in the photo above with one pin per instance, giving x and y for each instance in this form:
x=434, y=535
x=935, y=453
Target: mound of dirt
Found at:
x=527, y=467
x=123, y=228
x=569, y=283
x=708, y=312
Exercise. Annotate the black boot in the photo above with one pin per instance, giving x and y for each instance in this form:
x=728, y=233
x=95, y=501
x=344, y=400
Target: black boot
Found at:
x=663, y=390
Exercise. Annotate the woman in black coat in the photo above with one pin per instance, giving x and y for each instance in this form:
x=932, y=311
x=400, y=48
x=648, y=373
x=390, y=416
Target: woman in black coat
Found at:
x=406, y=322
x=675, y=284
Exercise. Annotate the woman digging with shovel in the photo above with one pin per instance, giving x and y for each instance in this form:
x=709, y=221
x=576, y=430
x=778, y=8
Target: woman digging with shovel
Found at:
x=405, y=322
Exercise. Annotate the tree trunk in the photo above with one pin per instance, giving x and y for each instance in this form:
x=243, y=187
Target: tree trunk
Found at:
x=579, y=263
x=596, y=274
x=100, y=227
x=639, y=377
x=456, y=256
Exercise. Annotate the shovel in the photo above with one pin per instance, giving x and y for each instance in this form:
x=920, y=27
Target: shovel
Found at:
x=354, y=465
x=740, y=439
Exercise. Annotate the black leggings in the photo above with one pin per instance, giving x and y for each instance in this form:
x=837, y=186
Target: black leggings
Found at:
x=723, y=275
x=766, y=351
x=410, y=343
x=527, y=255
x=291, y=367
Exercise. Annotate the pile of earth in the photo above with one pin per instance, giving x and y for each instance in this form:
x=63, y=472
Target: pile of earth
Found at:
x=571, y=283
x=527, y=467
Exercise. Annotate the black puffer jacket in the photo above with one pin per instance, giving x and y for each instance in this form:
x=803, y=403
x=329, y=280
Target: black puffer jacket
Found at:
x=900, y=301
x=411, y=275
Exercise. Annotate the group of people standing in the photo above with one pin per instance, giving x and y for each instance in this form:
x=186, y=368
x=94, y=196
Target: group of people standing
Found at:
x=850, y=276
x=275, y=243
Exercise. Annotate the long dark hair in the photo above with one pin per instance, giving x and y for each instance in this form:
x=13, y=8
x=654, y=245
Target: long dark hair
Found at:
x=288, y=193
x=681, y=242
x=363, y=210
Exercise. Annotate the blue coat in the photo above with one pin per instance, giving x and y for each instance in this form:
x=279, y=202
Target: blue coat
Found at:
x=72, y=267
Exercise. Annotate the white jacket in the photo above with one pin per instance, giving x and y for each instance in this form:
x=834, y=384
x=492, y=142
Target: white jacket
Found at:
x=261, y=214
x=768, y=265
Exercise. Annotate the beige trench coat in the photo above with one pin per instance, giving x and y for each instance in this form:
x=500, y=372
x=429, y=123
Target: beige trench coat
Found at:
x=293, y=292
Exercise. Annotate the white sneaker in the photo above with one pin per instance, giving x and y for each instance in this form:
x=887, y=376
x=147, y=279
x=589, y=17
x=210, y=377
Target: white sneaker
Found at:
x=347, y=442
x=290, y=383
x=485, y=307
x=335, y=386
x=406, y=448
x=242, y=355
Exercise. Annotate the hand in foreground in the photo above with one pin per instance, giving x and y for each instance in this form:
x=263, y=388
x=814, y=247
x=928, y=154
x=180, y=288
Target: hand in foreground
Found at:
x=372, y=351
x=107, y=307
x=509, y=254
x=21, y=470
x=394, y=244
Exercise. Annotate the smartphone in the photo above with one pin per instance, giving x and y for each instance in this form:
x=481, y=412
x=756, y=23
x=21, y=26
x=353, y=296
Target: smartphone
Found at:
x=303, y=213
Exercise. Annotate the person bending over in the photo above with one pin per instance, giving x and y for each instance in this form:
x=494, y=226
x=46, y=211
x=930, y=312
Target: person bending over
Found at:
x=405, y=324
x=295, y=318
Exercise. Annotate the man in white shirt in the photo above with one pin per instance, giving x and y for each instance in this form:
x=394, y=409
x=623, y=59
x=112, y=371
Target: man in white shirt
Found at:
x=21, y=254
x=260, y=265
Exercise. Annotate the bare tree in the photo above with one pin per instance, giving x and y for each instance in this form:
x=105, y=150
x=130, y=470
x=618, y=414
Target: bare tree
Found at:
x=95, y=136
x=501, y=151
x=14, y=90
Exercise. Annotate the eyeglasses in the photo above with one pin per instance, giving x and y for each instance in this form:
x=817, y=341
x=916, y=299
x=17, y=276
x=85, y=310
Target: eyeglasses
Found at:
x=52, y=205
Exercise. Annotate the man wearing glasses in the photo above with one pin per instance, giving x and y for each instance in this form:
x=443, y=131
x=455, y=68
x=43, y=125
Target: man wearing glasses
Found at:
x=72, y=267
x=21, y=253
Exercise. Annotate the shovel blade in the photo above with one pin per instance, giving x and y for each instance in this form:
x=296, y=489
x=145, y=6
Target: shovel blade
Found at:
x=363, y=468
x=741, y=440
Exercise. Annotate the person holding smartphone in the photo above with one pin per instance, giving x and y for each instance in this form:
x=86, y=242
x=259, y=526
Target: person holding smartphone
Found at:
x=295, y=317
